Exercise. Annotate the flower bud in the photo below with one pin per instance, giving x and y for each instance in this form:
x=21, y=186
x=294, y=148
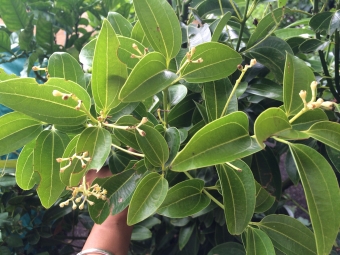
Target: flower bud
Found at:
x=328, y=105
x=303, y=95
x=61, y=205
x=313, y=85
x=74, y=206
x=193, y=50
x=135, y=46
x=253, y=62
x=57, y=93
x=59, y=160
x=78, y=199
x=81, y=207
x=240, y=67
x=90, y=202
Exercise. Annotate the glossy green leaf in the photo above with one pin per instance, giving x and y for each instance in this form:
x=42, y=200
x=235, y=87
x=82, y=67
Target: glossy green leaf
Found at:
x=147, y=78
x=325, y=21
x=161, y=26
x=216, y=94
x=228, y=248
x=307, y=119
x=87, y=53
x=97, y=142
x=219, y=61
x=288, y=235
x=238, y=190
x=126, y=50
x=121, y=110
x=326, y=132
x=297, y=76
x=266, y=88
x=265, y=26
x=334, y=156
x=153, y=146
x=140, y=233
x=108, y=73
x=222, y=140
x=312, y=45
x=177, y=93
x=173, y=139
x=119, y=190
x=50, y=145
x=148, y=196
x=212, y=6
x=258, y=242
x=322, y=194
x=218, y=25
x=17, y=129
x=13, y=13
x=185, y=234
x=184, y=199
x=44, y=34
x=120, y=24
x=25, y=176
x=138, y=34
x=127, y=136
x=37, y=101
x=264, y=200
x=295, y=43
x=272, y=54
x=287, y=33
x=180, y=114
x=4, y=76
x=270, y=122
x=5, y=43
x=63, y=65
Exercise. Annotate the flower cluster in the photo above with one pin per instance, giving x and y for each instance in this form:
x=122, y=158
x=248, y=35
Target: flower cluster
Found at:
x=66, y=96
x=315, y=103
x=82, y=194
x=141, y=55
x=83, y=158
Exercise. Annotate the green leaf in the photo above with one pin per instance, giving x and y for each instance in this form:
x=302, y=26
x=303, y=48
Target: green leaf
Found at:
x=37, y=101
x=108, y=73
x=5, y=43
x=4, y=76
x=265, y=26
x=228, y=248
x=148, y=77
x=148, y=196
x=126, y=50
x=177, y=93
x=173, y=139
x=120, y=24
x=326, y=132
x=311, y=45
x=121, y=110
x=127, y=136
x=153, y=145
x=184, y=199
x=270, y=122
x=264, y=200
x=140, y=233
x=334, y=157
x=288, y=235
x=17, y=129
x=238, y=190
x=119, y=190
x=97, y=142
x=25, y=176
x=63, y=65
x=87, y=53
x=219, y=61
x=307, y=119
x=322, y=194
x=216, y=94
x=161, y=26
x=266, y=88
x=218, y=25
x=220, y=141
x=50, y=145
x=184, y=235
x=211, y=6
x=325, y=21
x=258, y=242
x=180, y=115
x=297, y=76
x=13, y=13
x=138, y=34
x=287, y=33
x=44, y=34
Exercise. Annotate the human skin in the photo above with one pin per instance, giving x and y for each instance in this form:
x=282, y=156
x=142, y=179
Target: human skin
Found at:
x=113, y=235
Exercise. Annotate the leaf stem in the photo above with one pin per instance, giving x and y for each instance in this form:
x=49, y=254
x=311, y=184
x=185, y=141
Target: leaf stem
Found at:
x=298, y=115
x=243, y=23
x=221, y=7
x=127, y=151
x=82, y=107
x=115, y=126
x=8, y=163
x=281, y=140
x=206, y=192
x=234, y=167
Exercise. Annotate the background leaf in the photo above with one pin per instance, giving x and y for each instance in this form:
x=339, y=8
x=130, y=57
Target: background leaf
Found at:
x=13, y=13
x=297, y=76
x=184, y=199
x=288, y=234
x=108, y=73
x=17, y=129
x=238, y=190
x=63, y=65
x=218, y=25
x=5, y=43
x=219, y=141
x=161, y=27
x=322, y=194
x=120, y=24
x=258, y=242
x=264, y=200
x=219, y=61
x=148, y=196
